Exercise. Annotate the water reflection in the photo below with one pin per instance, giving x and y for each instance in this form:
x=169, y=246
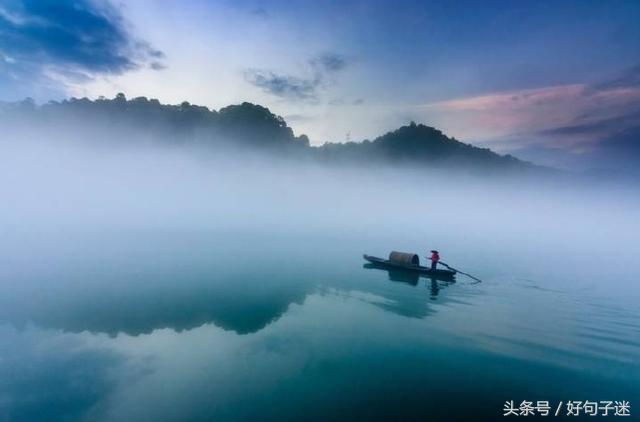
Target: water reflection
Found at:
x=136, y=304
x=435, y=288
x=406, y=276
x=412, y=278
x=407, y=303
x=51, y=376
x=122, y=306
x=307, y=336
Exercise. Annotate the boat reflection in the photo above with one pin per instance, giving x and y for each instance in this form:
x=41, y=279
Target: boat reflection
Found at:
x=411, y=277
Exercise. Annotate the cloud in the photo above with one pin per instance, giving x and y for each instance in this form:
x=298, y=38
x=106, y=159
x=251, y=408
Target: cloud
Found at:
x=283, y=86
x=568, y=116
x=297, y=88
x=297, y=118
x=596, y=127
x=503, y=114
x=343, y=101
x=260, y=12
x=628, y=78
x=603, y=110
x=329, y=62
x=45, y=40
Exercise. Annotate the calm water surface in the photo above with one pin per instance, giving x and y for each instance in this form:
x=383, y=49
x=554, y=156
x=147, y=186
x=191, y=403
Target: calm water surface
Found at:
x=150, y=326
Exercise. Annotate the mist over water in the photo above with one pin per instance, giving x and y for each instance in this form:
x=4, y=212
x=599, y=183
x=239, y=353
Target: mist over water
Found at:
x=150, y=282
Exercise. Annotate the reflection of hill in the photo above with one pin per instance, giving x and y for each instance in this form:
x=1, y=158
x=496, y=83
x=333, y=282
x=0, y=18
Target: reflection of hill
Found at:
x=237, y=305
x=242, y=303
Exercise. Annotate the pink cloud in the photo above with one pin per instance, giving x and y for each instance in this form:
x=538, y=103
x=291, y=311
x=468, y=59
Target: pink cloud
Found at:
x=532, y=115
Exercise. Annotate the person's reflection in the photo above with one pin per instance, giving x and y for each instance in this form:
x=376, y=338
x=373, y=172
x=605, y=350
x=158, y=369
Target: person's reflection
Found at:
x=435, y=288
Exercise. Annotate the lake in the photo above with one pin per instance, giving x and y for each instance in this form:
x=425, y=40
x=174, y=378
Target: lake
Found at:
x=184, y=324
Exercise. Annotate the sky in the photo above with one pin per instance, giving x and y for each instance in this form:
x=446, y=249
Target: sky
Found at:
x=509, y=75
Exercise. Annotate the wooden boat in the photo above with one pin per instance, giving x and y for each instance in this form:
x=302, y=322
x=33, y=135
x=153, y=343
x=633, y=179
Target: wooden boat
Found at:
x=408, y=262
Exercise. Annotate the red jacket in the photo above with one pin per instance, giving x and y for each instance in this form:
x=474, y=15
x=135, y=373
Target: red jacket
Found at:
x=435, y=257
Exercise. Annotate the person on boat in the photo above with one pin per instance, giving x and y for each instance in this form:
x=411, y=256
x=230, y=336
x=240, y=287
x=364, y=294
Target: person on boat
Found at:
x=435, y=258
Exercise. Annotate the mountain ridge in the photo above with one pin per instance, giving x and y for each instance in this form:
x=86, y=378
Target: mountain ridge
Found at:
x=245, y=126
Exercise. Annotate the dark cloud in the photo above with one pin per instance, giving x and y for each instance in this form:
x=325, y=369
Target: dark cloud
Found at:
x=297, y=118
x=283, y=86
x=342, y=101
x=596, y=126
x=69, y=36
x=626, y=141
x=157, y=66
x=329, y=62
x=628, y=78
x=260, y=12
x=296, y=88
x=617, y=151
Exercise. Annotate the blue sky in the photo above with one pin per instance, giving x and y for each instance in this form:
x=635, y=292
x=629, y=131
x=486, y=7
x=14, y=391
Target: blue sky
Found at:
x=506, y=74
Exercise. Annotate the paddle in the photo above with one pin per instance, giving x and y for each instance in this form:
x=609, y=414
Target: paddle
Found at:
x=458, y=271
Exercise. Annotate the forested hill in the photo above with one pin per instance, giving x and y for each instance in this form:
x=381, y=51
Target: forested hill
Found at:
x=241, y=127
x=417, y=144
x=147, y=120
